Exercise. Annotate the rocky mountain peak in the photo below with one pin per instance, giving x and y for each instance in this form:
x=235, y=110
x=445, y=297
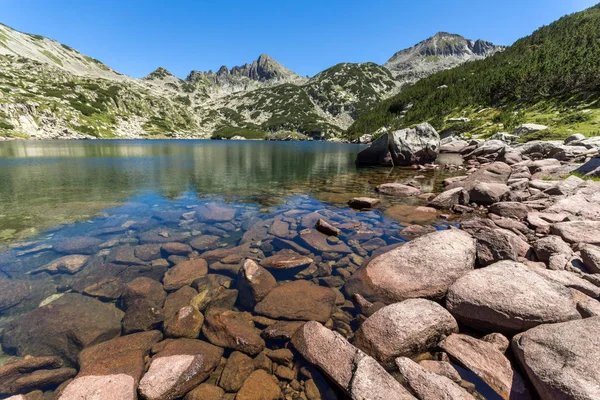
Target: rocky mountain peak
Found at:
x=441, y=51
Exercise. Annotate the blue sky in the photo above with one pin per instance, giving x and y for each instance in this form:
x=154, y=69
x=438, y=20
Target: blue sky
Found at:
x=136, y=36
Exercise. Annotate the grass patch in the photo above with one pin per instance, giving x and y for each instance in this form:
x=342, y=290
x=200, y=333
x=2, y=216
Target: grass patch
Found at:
x=52, y=57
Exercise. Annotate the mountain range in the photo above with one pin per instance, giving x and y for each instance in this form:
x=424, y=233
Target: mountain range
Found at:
x=50, y=90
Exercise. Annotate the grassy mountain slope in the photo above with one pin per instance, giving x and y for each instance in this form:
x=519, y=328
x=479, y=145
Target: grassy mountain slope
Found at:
x=551, y=77
x=39, y=100
x=322, y=107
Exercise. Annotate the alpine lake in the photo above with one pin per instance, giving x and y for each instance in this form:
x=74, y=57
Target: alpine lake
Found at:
x=81, y=220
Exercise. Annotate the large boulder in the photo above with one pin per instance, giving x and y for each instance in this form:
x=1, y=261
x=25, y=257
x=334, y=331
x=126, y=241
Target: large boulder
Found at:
x=425, y=267
x=404, y=329
x=56, y=329
x=359, y=375
x=526, y=129
x=178, y=367
x=562, y=359
x=378, y=153
x=509, y=297
x=418, y=145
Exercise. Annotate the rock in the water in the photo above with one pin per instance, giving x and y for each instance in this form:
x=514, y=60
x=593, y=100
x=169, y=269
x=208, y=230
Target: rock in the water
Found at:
x=319, y=242
x=185, y=273
x=418, y=145
x=298, y=300
x=363, y=203
x=450, y=198
x=404, y=329
x=509, y=297
x=205, y=391
x=378, y=153
x=562, y=359
x=205, y=242
x=359, y=375
x=67, y=264
x=326, y=228
x=254, y=283
x=414, y=270
x=238, y=367
x=259, y=385
x=487, y=362
x=185, y=324
x=578, y=231
x=234, y=330
x=180, y=366
x=78, y=245
x=286, y=261
x=114, y=387
x=428, y=385
x=398, y=190
x=123, y=355
x=56, y=329
x=34, y=373
x=143, y=288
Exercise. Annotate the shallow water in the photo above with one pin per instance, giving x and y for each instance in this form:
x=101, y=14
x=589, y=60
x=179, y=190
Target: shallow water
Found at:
x=103, y=199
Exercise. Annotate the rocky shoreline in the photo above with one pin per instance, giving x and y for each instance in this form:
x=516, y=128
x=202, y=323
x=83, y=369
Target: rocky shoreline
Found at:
x=316, y=305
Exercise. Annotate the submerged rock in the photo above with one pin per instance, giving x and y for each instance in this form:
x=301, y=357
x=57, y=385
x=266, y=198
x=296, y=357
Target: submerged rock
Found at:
x=56, y=329
x=235, y=330
x=67, y=264
x=185, y=273
x=259, y=385
x=298, y=300
x=425, y=267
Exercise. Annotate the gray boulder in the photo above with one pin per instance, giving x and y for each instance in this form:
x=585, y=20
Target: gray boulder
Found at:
x=414, y=270
x=509, y=297
x=526, y=129
x=404, y=329
x=562, y=359
x=418, y=145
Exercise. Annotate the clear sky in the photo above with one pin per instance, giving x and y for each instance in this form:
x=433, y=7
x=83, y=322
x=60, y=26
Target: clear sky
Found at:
x=136, y=36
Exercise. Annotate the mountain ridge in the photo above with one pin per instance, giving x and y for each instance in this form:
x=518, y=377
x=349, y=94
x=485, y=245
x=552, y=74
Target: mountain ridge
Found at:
x=261, y=96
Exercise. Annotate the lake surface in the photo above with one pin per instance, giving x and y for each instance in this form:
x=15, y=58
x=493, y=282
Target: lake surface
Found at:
x=139, y=208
